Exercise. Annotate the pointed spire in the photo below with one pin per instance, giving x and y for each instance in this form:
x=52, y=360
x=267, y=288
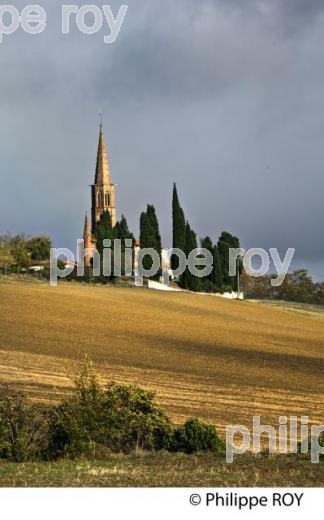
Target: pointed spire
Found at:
x=87, y=230
x=102, y=167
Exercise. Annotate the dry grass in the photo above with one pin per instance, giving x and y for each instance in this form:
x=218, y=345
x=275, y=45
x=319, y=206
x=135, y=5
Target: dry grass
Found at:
x=223, y=361
x=166, y=470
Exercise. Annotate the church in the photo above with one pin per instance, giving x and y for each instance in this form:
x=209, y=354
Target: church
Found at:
x=102, y=197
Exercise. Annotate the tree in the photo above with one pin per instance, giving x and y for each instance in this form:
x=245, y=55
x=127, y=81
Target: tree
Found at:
x=297, y=286
x=178, y=228
x=188, y=280
x=150, y=237
x=121, y=230
x=214, y=281
x=15, y=251
x=20, y=250
x=195, y=436
x=23, y=427
x=206, y=282
x=117, y=417
x=39, y=247
x=155, y=226
x=146, y=238
x=6, y=256
x=217, y=274
x=21, y=256
x=225, y=242
x=104, y=231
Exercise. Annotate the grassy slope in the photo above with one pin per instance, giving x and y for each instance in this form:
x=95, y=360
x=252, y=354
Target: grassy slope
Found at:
x=166, y=470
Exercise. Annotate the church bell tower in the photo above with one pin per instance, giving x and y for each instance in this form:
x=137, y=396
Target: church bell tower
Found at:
x=102, y=196
x=103, y=190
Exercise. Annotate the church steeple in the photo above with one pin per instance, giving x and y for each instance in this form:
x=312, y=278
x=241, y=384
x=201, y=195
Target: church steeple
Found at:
x=102, y=167
x=102, y=198
x=103, y=190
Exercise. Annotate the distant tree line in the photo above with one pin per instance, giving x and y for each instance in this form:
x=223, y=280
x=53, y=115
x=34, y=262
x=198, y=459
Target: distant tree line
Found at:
x=297, y=286
x=21, y=251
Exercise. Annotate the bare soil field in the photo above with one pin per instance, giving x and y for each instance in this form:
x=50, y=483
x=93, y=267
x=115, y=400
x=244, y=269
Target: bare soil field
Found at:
x=222, y=361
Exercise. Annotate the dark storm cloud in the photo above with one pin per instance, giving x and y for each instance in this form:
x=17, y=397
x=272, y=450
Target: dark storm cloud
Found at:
x=301, y=9
x=225, y=97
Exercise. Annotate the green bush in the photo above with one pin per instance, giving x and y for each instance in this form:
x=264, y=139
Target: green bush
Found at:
x=120, y=418
x=314, y=440
x=194, y=436
x=93, y=422
x=39, y=247
x=139, y=423
x=23, y=428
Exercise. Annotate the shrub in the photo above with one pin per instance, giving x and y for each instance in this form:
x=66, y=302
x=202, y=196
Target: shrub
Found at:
x=194, y=436
x=312, y=441
x=74, y=423
x=95, y=421
x=23, y=428
x=120, y=418
x=39, y=247
x=139, y=423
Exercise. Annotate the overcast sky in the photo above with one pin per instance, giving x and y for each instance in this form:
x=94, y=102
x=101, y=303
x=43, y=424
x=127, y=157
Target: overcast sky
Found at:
x=225, y=97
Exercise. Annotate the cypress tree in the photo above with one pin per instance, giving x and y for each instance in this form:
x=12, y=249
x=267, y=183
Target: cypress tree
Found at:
x=178, y=227
x=155, y=228
x=122, y=232
x=217, y=274
x=206, y=282
x=103, y=226
x=150, y=236
x=214, y=281
x=146, y=238
x=104, y=230
x=188, y=280
x=225, y=242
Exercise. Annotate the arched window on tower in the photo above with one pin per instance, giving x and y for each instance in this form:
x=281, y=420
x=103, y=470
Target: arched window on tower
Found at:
x=99, y=199
x=107, y=201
